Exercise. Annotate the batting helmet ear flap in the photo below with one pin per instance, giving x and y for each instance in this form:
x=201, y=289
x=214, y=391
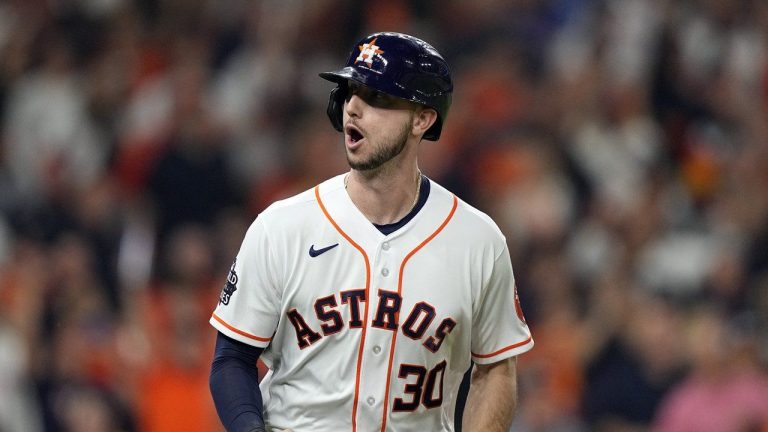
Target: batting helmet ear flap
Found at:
x=335, y=105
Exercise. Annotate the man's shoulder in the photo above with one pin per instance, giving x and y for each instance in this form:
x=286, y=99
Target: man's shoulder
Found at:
x=469, y=218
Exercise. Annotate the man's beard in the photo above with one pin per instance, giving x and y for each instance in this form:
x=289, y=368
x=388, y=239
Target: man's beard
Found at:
x=383, y=153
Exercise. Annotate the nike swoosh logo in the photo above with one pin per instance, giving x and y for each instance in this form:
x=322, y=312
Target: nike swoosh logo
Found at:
x=316, y=252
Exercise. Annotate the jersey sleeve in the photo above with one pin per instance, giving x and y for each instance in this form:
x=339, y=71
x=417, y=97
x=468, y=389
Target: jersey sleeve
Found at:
x=499, y=329
x=249, y=303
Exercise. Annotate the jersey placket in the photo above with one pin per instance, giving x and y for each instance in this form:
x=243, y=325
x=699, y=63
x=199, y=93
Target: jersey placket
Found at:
x=382, y=324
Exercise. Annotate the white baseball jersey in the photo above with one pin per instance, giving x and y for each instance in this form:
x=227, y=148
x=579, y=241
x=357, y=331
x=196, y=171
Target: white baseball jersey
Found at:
x=365, y=331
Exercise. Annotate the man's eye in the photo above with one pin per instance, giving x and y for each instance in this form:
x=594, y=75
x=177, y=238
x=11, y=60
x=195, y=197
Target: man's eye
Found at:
x=379, y=98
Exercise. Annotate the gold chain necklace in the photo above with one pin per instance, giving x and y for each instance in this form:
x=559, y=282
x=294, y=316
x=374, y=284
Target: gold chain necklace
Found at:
x=418, y=187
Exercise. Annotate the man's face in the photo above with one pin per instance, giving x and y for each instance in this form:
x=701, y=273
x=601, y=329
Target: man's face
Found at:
x=376, y=126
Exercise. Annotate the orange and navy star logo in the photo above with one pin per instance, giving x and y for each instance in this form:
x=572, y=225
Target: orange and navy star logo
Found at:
x=367, y=51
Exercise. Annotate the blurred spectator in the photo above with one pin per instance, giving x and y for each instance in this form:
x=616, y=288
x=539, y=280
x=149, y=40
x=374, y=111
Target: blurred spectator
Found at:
x=19, y=411
x=52, y=149
x=77, y=361
x=726, y=389
x=637, y=363
x=22, y=283
x=174, y=315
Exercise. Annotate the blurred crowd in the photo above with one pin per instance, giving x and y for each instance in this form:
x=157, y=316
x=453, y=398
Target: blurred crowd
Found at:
x=621, y=145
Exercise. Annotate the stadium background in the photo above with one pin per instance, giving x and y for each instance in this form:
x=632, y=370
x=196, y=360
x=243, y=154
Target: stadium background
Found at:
x=621, y=145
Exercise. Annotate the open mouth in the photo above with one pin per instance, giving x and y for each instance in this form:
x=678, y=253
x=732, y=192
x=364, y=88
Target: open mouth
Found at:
x=354, y=133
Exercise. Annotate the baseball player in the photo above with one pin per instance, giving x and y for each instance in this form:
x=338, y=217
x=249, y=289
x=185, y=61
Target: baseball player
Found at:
x=370, y=295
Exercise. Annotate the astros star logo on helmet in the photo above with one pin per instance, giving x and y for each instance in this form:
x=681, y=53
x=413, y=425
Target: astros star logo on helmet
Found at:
x=367, y=51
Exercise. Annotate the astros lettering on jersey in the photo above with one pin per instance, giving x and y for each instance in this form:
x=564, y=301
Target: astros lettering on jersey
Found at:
x=364, y=331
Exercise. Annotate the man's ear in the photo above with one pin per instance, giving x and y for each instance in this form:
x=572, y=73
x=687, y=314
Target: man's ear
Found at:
x=423, y=119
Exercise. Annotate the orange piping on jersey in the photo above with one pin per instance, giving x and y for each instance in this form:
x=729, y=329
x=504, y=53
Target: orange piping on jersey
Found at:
x=240, y=332
x=397, y=314
x=513, y=346
x=367, y=302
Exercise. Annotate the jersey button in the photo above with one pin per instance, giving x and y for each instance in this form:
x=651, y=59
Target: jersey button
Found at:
x=385, y=272
x=376, y=349
x=385, y=246
x=370, y=400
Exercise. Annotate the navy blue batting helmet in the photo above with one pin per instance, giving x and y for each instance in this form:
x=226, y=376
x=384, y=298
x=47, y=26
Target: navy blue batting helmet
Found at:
x=398, y=65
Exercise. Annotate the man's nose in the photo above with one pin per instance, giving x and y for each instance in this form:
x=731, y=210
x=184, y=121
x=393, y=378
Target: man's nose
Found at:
x=353, y=106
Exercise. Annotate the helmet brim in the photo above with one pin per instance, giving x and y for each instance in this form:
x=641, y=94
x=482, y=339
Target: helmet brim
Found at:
x=342, y=75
